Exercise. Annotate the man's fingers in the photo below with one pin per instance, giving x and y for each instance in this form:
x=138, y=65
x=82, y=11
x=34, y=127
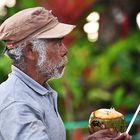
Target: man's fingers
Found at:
x=90, y=129
x=128, y=137
x=102, y=126
x=110, y=133
x=123, y=136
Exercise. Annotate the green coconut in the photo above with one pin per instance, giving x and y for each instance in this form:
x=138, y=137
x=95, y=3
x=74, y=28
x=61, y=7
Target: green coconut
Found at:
x=110, y=118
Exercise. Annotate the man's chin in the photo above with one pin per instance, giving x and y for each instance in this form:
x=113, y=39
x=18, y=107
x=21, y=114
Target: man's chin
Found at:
x=59, y=73
x=56, y=74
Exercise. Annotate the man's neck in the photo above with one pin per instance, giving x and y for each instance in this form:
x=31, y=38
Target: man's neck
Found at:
x=35, y=75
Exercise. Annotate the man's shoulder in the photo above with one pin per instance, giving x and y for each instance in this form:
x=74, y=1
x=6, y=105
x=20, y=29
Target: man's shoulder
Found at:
x=7, y=89
x=7, y=85
x=13, y=84
x=13, y=89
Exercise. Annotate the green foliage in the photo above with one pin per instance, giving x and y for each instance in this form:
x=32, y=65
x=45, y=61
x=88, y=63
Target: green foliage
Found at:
x=116, y=63
x=27, y=4
x=2, y=47
x=117, y=97
x=120, y=99
x=95, y=95
x=5, y=69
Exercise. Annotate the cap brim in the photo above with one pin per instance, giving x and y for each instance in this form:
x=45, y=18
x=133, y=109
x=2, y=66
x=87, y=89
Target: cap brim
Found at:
x=59, y=31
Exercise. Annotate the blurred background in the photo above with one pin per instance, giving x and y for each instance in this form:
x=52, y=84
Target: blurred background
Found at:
x=104, y=59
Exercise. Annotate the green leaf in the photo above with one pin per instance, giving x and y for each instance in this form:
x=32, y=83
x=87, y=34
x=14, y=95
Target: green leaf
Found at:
x=117, y=97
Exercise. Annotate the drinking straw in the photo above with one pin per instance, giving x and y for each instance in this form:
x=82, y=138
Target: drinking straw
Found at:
x=133, y=119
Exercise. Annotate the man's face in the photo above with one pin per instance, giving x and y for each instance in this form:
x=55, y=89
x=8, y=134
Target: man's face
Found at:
x=55, y=59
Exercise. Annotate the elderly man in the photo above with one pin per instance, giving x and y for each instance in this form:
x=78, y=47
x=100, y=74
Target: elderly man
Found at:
x=28, y=105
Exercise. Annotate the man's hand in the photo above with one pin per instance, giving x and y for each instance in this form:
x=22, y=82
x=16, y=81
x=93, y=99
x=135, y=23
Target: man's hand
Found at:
x=108, y=134
x=123, y=136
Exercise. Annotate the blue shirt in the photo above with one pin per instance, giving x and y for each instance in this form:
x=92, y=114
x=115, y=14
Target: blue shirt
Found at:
x=28, y=111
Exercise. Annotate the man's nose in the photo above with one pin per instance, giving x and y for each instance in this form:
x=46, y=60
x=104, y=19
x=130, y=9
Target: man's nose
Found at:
x=64, y=50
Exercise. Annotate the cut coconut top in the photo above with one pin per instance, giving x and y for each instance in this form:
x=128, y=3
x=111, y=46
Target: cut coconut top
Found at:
x=107, y=114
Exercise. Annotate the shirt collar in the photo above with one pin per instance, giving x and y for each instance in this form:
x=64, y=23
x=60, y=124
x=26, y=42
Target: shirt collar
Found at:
x=31, y=82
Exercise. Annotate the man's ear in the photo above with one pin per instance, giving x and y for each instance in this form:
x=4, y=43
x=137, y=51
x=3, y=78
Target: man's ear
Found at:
x=29, y=53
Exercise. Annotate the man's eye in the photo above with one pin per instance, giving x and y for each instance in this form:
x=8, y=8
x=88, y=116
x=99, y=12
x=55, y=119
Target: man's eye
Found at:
x=60, y=42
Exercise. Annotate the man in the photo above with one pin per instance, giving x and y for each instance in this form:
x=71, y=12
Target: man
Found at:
x=28, y=105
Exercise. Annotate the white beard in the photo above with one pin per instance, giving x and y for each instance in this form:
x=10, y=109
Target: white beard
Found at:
x=53, y=71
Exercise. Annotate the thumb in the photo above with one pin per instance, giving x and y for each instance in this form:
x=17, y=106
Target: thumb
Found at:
x=122, y=136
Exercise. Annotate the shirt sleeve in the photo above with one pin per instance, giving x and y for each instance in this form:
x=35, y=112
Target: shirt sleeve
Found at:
x=20, y=121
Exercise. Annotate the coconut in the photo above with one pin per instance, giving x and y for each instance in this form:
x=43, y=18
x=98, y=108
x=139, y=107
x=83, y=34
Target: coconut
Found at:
x=110, y=118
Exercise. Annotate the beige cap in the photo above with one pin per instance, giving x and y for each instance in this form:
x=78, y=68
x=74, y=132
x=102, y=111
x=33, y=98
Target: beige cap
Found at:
x=30, y=24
